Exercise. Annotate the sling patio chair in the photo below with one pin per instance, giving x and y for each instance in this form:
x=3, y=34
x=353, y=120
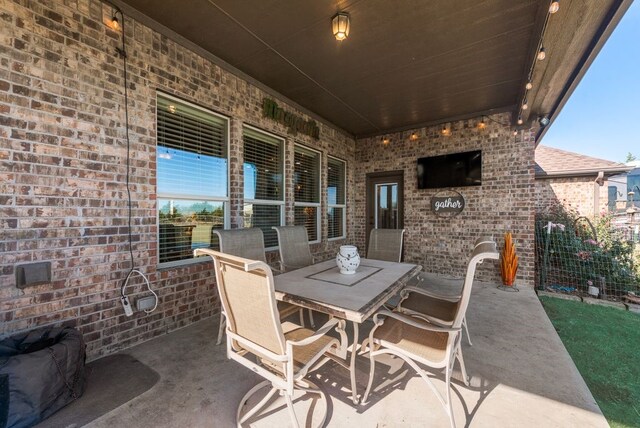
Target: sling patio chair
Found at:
x=435, y=307
x=293, y=242
x=385, y=245
x=294, y=247
x=417, y=341
x=282, y=353
x=249, y=244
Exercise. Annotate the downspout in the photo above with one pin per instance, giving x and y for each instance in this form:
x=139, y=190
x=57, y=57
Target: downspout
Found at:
x=597, y=184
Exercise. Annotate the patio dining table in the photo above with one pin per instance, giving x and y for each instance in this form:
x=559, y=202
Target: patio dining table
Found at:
x=321, y=287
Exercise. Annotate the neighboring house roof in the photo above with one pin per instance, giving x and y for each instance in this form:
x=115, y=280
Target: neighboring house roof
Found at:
x=551, y=162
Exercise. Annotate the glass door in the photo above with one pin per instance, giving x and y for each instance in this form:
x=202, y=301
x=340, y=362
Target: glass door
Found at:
x=386, y=206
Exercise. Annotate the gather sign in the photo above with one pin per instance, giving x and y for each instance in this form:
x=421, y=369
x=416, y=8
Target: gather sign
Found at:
x=447, y=204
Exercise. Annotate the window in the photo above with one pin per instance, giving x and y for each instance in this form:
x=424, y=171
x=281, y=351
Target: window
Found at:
x=306, y=186
x=263, y=183
x=336, y=198
x=192, y=166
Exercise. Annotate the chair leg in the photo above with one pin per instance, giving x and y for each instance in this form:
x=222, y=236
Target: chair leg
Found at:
x=466, y=330
x=258, y=406
x=221, y=328
x=463, y=369
x=313, y=324
x=292, y=413
x=301, y=317
x=452, y=421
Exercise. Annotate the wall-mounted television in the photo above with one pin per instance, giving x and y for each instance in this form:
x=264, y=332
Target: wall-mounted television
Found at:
x=452, y=170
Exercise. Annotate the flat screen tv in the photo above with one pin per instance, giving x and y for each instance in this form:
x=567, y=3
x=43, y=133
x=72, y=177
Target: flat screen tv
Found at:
x=452, y=170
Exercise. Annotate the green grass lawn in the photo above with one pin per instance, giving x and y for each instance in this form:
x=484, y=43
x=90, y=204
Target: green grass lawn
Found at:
x=604, y=343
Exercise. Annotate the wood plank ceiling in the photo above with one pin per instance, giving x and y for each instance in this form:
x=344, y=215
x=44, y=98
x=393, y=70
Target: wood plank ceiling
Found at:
x=403, y=65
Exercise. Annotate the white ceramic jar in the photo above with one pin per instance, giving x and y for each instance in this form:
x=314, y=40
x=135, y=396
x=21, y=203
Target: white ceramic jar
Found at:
x=348, y=259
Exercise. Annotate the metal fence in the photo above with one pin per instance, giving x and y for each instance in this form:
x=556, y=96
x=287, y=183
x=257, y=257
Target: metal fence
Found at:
x=578, y=256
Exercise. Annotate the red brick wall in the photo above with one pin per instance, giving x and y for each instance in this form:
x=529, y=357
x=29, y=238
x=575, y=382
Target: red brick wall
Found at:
x=573, y=193
x=503, y=203
x=62, y=169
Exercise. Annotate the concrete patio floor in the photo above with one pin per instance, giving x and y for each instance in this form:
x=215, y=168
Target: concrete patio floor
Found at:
x=521, y=376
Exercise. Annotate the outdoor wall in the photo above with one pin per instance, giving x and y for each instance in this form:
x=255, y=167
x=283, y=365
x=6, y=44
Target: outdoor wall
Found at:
x=62, y=169
x=573, y=193
x=503, y=203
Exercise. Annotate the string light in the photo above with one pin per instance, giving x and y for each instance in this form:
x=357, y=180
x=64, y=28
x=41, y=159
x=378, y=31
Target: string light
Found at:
x=445, y=130
x=385, y=141
x=413, y=136
x=541, y=54
x=482, y=124
x=554, y=6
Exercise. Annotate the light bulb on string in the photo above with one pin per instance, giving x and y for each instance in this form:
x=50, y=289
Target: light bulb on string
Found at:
x=541, y=54
x=554, y=7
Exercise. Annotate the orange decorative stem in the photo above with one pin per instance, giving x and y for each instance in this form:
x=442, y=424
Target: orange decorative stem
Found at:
x=509, y=261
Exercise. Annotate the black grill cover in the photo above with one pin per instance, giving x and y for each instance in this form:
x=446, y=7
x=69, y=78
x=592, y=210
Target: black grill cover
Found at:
x=40, y=372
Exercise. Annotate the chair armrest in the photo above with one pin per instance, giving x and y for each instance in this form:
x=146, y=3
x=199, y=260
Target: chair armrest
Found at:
x=319, y=333
x=415, y=322
x=411, y=289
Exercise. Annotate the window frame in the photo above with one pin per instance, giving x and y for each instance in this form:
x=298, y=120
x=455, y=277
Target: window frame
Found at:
x=343, y=206
x=317, y=205
x=186, y=197
x=281, y=203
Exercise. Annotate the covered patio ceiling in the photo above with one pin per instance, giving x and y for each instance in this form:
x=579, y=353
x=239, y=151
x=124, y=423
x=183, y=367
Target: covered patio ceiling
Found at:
x=405, y=64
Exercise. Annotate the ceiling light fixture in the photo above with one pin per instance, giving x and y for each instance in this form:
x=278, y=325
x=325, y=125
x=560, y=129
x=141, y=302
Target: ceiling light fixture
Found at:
x=554, y=6
x=541, y=53
x=341, y=24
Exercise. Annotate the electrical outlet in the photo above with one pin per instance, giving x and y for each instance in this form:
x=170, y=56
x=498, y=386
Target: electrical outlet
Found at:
x=145, y=303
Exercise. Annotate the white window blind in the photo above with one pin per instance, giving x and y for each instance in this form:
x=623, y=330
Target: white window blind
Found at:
x=192, y=173
x=263, y=183
x=336, y=198
x=306, y=185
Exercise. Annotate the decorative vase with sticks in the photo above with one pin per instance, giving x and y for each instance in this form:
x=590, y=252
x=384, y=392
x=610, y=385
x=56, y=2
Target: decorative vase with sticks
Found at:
x=508, y=264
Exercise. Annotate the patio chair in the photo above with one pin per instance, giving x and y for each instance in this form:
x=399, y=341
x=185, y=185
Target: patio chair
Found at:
x=385, y=245
x=419, y=342
x=294, y=251
x=294, y=247
x=434, y=307
x=282, y=353
x=249, y=244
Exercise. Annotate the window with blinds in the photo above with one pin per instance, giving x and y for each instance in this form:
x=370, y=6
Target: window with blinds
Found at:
x=192, y=173
x=263, y=183
x=336, y=198
x=306, y=186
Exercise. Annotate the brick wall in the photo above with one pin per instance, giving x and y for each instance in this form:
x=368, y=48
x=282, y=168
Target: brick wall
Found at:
x=573, y=193
x=62, y=168
x=503, y=202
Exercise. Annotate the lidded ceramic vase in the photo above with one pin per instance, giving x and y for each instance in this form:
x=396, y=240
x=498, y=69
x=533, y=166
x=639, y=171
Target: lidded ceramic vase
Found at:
x=348, y=259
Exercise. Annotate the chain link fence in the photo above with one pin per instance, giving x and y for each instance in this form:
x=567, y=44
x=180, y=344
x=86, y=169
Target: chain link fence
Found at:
x=597, y=258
